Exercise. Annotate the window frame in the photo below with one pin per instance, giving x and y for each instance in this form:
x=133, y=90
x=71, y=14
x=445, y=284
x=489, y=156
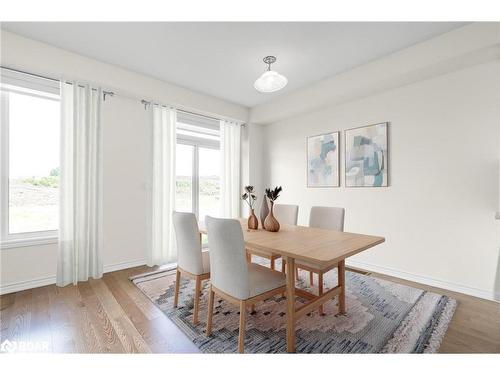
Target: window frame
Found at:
x=12, y=240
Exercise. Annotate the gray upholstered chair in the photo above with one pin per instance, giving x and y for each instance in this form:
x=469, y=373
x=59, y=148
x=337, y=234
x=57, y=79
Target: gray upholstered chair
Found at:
x=327, y=218
x=232, y=277
x=285, y=214
x=192, y=262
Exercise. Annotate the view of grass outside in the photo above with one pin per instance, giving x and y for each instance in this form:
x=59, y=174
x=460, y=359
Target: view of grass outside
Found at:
x=33, y=163
x=209, y=195
x=34, y=204
x=208, y=181
x=208, y=198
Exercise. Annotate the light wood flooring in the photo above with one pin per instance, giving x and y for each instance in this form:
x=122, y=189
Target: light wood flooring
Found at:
x=111, y=315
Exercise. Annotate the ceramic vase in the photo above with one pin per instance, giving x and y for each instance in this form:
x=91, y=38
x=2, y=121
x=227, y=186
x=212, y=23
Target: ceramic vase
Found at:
x=264, y=211
x=271, y=224
x=253, y=223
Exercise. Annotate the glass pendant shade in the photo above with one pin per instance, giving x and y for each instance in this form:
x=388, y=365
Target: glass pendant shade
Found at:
x=270, y=81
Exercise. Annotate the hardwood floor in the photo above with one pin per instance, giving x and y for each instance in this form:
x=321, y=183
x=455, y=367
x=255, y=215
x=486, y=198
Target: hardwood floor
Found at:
x=111, y=315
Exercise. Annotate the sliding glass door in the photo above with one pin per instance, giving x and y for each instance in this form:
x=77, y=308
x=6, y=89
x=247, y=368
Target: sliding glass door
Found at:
x=184, y=182
x=198, y=166
x=198, y=180
x=209, y=182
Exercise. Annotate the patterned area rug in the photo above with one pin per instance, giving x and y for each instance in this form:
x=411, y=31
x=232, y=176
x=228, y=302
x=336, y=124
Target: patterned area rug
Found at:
x=382, y=317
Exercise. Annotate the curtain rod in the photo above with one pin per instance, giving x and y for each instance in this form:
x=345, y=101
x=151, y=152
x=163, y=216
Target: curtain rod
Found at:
x=146, y=103
x=111, y=93
x=105, y=92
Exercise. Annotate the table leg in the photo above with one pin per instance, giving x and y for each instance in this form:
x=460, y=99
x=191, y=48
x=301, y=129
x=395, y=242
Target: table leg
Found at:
x=341, y=282
x=290, y=305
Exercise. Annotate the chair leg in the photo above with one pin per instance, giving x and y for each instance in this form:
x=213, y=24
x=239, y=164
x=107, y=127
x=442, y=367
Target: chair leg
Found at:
x=177, y=282
x=296, y=273
x=241, y=338
x=273, y=264
x=196, y=300
x=210, y=311
x=311, y=278
x=249, y=257
x=320, y=289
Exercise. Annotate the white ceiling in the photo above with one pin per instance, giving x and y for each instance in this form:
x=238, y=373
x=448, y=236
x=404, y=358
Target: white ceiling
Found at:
x=224, y=59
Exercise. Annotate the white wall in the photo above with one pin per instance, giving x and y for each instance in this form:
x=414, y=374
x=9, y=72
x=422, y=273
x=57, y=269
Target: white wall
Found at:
x=127, y=156
x=127, y=160
x=252, y=154
x=438, y=213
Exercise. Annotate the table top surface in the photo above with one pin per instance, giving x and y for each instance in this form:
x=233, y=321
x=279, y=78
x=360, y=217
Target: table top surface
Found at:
x=321, y=246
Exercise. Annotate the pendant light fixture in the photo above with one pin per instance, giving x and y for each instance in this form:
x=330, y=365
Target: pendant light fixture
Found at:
x=270, y=81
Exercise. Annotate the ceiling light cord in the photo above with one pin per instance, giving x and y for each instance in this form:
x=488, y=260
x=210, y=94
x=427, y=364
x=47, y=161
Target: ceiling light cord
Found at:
x=269, y=60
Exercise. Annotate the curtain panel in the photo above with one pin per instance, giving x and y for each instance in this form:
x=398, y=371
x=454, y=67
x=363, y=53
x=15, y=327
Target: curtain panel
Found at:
x=80, y=227
x=230, y=138
x=162, y=249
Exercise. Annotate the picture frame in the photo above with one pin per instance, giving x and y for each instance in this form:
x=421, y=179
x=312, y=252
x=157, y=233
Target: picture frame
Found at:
x=323, y=160
x=366, y=156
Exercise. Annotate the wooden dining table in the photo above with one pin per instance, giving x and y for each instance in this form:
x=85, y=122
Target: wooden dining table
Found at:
x=322, y=247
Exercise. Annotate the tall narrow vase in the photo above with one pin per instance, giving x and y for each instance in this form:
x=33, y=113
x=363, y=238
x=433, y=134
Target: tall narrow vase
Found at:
x=264, y=211
x=271, y=224
x=253, y=223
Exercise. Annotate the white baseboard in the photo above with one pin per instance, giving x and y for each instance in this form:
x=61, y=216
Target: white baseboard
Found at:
x=36, y=283
x=480, y=293
x=124, y=265
x=28, y=284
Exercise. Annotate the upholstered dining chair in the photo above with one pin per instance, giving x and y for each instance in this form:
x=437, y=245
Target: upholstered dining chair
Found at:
x=192, y=262
x=232, y=277
x=285, y=214
x=326, y=218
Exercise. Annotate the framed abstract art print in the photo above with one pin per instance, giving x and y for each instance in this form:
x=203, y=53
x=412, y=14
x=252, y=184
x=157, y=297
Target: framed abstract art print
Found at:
x=323, y=160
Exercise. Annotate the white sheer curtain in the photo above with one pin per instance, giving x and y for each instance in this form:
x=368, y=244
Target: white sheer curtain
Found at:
x=163, y=248
x=80, y=229
x=230, y=134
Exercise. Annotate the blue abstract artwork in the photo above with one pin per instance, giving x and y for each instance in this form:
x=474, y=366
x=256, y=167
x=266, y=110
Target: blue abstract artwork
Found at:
x=366, y=156
x=323, y=160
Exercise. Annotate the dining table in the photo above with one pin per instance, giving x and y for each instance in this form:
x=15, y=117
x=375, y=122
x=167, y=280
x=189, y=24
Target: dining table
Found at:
x=322, y=247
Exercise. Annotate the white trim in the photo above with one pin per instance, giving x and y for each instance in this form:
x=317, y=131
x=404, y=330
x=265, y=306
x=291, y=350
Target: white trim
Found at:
x=38, y=89
x=448, y=285
x=4, y=164
x=28, y=284
x=480, y=293
x=29, y=81
x=49, y=280
x=124, y=265
x=24, y=242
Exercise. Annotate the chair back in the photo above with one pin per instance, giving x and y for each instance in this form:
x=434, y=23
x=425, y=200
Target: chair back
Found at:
x=327, y=218
x=187, y=235
x=286, y=213
x=228, y=264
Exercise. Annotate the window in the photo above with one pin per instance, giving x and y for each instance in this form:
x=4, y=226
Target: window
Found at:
x=30, y=128
x=198, y=166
